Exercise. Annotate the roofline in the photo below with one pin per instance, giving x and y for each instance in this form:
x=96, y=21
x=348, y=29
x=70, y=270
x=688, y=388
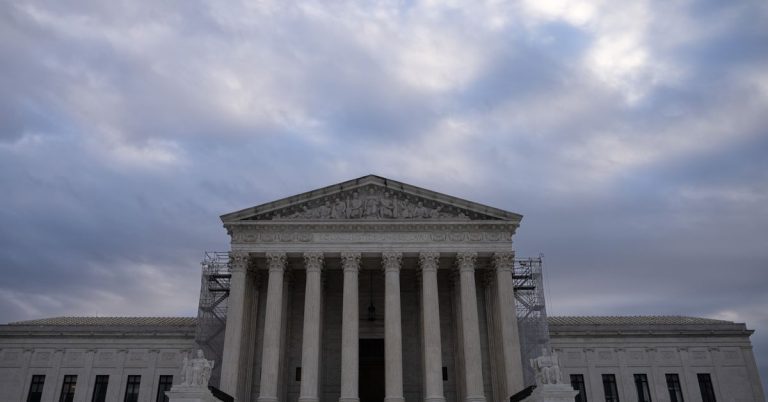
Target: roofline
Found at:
x=361, y=181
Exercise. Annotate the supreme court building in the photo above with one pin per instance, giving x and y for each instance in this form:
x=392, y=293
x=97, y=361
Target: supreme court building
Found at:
x=435, y=270
x=374, y=290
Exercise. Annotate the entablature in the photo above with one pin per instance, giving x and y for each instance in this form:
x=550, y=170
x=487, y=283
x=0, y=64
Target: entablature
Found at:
x=481, y=236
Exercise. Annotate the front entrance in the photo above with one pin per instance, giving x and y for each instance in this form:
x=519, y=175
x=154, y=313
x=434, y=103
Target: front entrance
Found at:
x=371, y=370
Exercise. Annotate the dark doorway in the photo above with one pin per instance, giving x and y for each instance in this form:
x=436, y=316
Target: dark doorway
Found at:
x=371, y=370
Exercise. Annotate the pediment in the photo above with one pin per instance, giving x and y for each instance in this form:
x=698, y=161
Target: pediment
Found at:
x=370, y=198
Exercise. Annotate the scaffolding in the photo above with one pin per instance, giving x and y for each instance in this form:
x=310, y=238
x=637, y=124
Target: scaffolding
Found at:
x=214, y=292
x=212, y=310
x=531, y=312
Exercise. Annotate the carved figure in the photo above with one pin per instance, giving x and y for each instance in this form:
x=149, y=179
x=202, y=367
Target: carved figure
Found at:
x=420, y=211
x=387, y=209
x=355, y=208
x=339, y=209
x=403, y=211
x=547, y=368
x=324, y=211
x=371, y=205
x=196, y=372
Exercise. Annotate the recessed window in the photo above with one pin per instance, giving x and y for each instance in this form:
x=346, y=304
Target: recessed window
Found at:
x=705, y=386
x=610, y=389
x=577, y=382
x=68, y=388
x=165, y=384
x=36, y=388
x=132, y=388
x=643, y=390
x=100, y=388
x=675, y=390
x=445, y=373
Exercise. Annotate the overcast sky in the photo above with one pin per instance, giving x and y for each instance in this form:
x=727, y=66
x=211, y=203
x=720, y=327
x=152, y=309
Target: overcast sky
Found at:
x=632, y=135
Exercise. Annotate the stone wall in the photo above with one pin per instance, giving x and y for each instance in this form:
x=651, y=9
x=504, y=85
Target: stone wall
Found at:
x=722, y=351
x=55, y=353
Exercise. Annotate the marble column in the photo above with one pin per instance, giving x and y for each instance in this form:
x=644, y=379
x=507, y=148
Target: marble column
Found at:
x=393, y=342
x=350, y=329
x=473, y=367
x=270, y=355
x=433, y=360
x=233, y=335
x=507, y=322
x=310, y=347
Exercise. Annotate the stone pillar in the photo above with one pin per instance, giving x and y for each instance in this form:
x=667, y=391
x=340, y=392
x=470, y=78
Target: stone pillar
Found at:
x=507, y=320
x=393, y=342
x=433, y=359
x=350, y=329
x=270, y=355
x=230, y=364
x=310, y=349
x=473, y=367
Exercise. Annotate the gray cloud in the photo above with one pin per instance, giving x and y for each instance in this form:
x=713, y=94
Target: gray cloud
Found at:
x=630, y=135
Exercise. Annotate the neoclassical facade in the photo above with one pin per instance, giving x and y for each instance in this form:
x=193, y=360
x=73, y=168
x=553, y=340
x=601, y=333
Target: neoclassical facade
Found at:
x=372, y=281
x=373, y=290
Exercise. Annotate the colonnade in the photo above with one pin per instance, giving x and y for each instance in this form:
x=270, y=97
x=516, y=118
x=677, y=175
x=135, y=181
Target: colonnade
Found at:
x=470, y=352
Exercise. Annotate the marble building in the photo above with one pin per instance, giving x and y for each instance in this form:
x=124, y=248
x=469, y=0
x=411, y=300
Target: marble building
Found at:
x=375, y=290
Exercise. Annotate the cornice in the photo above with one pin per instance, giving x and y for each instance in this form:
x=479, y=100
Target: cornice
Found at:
x=377, y=225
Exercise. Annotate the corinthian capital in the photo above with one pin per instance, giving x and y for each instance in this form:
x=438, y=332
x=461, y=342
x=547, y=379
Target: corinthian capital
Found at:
x=350, y=262
x=391, y=260
x=238, y=260
x=504, y=260
x=429, y=260
x=465, y=261
x=313, y=261
x=276, y=261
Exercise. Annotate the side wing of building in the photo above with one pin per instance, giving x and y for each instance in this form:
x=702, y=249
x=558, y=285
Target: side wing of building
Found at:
x=695, y=359
x=94, y=358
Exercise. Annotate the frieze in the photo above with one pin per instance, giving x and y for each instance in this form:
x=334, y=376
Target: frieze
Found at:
x=11, y=356
x=372, y=203
x=168, y=356
x=364, y=237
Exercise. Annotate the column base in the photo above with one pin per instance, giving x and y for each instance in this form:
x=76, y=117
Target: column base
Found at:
x=266, y=399
x=394, y=399
x=475, y=398
x=434, y=399
x=308, y=399
x=343, y=399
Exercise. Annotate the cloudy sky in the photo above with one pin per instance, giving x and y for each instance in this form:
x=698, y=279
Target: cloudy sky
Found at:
x=632, y=135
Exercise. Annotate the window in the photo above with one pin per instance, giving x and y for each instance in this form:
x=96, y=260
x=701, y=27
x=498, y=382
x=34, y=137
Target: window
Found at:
x=165, y=383
x=132, y=388
x=68, y=388
x=705, y=386
x=36, y=388
x=100, y=388
x=610, y=389
x=577, y=382
x=643, y=391
x=673, y=385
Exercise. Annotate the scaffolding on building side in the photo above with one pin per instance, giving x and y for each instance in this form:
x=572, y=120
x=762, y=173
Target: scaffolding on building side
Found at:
x=531, y=312
x=212, y=309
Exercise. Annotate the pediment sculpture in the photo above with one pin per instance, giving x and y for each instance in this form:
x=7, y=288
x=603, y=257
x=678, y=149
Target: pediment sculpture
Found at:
x=371, y=202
